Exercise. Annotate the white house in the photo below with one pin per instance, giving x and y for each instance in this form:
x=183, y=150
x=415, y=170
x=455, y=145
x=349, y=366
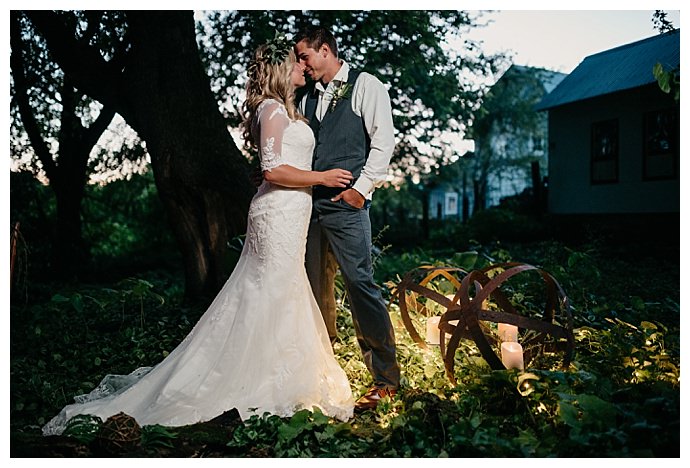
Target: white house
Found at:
x=510, y=135
x=444, y=204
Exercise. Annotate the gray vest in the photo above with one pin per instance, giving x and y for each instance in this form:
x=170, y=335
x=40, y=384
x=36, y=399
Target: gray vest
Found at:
x=341, y=138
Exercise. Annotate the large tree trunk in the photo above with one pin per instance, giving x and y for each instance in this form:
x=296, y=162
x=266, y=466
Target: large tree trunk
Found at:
x=200, y=174
x=426, y=229
x=69, y=252
x=68, y=173
x=68, y=180
x=479, y=196
x=162, y=91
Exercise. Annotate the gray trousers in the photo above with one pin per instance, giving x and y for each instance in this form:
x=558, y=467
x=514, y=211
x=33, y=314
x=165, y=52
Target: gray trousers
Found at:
x=341, y=232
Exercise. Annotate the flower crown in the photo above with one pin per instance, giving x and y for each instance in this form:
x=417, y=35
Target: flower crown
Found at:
x=278, y=48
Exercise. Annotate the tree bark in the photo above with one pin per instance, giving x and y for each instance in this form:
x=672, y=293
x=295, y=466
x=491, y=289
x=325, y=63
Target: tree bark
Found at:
x=479, y=196
x=426, y=230
x=163, y=92
x=67, y=174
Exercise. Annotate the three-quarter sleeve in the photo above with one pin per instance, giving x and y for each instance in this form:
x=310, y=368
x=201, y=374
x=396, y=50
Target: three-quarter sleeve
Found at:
x=272, y=120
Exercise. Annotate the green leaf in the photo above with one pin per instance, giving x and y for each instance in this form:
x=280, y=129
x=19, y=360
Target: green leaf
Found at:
x=318, y=418
x=78, y=303
x=569, y=414
x=300, y=418
x=597, y=410
x=430, y=370
x=664, y=83
x=59, y=298
x=465, y=260
x=83, y=427
x=288, y=432
x=475, y=420
x=527, y=442
x=637, y=303
x=157, y=435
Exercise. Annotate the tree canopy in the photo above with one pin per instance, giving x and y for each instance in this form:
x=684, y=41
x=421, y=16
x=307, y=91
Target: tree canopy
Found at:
x=168, y=81
x=430, y=81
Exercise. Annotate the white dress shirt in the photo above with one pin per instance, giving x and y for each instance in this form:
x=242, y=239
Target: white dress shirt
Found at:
x=370, y=101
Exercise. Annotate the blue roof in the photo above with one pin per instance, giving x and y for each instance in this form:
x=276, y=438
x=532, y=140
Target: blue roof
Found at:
x=625, y=67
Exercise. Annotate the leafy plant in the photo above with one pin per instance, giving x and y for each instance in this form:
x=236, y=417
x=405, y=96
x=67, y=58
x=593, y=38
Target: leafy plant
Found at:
x=668, y=80
x=83, y=427
x=156, y=435
x=620, y=397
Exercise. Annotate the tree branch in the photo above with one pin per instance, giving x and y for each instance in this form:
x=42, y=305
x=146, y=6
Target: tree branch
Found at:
x=22, y=99
x=90, y=72
x=93, y=133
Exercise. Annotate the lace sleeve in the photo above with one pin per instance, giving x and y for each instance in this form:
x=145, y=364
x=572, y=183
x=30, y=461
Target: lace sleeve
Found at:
x=273, y=120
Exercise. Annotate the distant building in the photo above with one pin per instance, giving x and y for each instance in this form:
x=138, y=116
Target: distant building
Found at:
x=444, y=203
x=510, y=136
x=449, y=195
x=614, y=135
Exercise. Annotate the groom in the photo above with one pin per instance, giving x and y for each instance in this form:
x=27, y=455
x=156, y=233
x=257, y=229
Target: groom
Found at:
x=350, y=114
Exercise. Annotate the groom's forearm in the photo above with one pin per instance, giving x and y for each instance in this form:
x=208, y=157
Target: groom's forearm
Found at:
x=375, y=170
x=377, y=115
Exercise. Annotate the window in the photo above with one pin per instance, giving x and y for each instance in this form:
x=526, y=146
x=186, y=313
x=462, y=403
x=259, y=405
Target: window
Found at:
x=660, y=144
x=451, y=204
x=604, y=168
x=537, y=143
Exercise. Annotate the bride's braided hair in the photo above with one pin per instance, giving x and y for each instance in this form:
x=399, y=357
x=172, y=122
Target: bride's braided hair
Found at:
x=269, y=77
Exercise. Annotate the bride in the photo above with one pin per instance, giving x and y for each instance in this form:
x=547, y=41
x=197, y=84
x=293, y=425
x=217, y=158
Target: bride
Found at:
x=262, y=345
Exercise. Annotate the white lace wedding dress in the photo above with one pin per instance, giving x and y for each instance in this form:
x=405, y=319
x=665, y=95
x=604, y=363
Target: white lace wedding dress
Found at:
x=262, y=345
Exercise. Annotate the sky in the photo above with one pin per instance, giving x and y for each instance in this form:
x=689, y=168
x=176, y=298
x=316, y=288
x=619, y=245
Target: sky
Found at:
x=539, y=33
x=560, y=39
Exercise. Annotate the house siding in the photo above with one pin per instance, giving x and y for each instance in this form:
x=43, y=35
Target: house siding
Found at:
x=443, y=204
x=570, y=188
x=511, y=149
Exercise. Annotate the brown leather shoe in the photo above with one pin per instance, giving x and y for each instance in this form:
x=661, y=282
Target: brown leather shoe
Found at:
x=371, y=399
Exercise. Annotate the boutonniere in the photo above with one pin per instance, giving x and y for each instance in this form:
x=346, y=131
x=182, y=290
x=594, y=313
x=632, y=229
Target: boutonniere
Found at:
x=342, y=91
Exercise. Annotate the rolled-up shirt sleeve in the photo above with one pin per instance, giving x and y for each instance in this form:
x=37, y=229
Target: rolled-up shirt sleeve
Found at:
x=372, y=103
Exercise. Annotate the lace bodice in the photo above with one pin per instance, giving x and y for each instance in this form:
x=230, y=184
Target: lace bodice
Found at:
x=279, y=216
x=281, y=140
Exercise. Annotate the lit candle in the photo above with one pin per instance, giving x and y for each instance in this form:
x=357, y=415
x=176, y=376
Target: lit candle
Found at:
x=433, y=333
x=511, y=356
x=507, y=333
